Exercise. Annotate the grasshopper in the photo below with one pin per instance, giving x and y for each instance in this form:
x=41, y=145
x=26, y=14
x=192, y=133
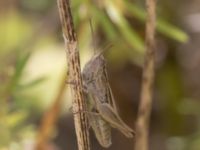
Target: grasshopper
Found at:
x=103, y=111
x=101, y=128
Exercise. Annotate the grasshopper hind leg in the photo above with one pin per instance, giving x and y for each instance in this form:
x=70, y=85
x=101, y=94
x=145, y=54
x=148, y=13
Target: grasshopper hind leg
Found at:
x=101, y=128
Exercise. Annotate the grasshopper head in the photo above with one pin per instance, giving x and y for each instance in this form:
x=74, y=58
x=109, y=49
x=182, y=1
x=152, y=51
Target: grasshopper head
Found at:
x=93, y=68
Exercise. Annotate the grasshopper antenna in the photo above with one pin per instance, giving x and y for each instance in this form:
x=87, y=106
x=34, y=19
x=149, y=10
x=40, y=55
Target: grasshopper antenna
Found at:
x=106, y=46
x=93, y=39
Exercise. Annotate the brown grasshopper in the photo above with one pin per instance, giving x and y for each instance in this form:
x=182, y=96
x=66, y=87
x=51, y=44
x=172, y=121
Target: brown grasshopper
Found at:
x=97, y=89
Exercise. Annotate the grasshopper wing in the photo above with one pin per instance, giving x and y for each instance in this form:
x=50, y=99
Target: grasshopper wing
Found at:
x=101, y=129
x=109, y=114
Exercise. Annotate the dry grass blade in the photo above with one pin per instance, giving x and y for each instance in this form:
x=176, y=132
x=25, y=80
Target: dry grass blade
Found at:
x=142, y=125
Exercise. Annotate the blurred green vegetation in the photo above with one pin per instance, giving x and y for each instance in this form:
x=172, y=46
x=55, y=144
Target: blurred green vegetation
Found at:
x=33, y=63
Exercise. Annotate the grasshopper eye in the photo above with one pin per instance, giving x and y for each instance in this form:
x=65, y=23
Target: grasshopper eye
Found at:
x=86, y=77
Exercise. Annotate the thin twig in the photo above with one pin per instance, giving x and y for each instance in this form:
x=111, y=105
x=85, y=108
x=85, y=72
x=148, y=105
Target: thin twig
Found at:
x=142, y=124
x=80, y=120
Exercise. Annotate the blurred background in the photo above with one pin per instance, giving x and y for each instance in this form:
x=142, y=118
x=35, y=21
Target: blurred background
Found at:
x=35, y=102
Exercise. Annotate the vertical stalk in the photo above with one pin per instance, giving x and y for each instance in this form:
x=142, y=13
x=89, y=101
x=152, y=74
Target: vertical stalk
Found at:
x=142, y=124
x=74, y=72
x=50, y=118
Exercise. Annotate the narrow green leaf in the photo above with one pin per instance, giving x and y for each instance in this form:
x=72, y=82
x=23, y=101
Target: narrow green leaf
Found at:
x=162, y=26
x=20, y=65
x=129, y=34
x=32, y=83
x=106, y=23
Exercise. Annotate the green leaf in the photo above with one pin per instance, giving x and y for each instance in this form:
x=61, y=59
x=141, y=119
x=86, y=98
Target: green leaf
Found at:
x=107, y=25
x=129, y=34
x=32, y=83
x=20, y=65
x=163, y=27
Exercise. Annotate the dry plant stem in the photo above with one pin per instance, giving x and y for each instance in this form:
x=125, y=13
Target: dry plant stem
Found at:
x=49, y=119
x=74, y=72
x=142, y=124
